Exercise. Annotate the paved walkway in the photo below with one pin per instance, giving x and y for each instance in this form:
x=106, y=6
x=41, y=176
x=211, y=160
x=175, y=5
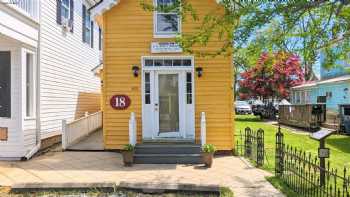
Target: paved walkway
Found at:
x=100, y=167
x=93, y=142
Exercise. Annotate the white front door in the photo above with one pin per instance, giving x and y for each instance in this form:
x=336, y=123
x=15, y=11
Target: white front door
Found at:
x=168, y=103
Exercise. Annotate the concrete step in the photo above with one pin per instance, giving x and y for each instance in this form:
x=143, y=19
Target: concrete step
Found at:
x=167, y=159
x=167, y=149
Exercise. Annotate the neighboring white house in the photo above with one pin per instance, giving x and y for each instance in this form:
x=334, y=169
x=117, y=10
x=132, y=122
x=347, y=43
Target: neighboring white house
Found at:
x=47, y=51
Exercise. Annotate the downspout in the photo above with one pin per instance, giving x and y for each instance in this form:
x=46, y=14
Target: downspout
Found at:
x=36, y=148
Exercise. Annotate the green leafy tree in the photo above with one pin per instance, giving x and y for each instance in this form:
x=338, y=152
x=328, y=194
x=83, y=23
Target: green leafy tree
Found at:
x=305, y=28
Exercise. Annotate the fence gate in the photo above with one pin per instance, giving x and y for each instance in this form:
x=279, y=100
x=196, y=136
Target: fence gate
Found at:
x=250, y=144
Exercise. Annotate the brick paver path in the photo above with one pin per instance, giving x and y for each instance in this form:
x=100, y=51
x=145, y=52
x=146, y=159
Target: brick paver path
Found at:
x=92, y=167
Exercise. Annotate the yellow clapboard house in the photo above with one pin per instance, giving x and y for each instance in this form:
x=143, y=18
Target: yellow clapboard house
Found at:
x=152, y=89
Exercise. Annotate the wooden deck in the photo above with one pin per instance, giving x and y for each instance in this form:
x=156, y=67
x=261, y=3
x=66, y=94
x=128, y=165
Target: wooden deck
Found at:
x=93, y=142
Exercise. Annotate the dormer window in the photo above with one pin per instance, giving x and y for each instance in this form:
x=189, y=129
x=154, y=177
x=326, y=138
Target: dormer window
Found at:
x=166, y=21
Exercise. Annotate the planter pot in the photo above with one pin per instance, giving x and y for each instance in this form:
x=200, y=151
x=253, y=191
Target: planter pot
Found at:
x=128, y=158
x=208, y=159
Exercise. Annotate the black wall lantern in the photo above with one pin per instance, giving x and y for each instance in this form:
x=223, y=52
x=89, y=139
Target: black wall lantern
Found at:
x=135, y=71
x=199, y=71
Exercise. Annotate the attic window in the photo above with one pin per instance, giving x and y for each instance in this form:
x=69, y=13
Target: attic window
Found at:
x=166, y=20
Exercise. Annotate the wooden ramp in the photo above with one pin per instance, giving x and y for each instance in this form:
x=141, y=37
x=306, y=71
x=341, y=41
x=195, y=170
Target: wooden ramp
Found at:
x=92, y=142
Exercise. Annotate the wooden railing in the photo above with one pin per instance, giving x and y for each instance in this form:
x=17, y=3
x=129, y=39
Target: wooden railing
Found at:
x=29, y=7
x=74, y=131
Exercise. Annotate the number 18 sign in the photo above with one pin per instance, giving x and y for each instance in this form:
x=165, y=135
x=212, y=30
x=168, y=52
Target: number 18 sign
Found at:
x=120, y=102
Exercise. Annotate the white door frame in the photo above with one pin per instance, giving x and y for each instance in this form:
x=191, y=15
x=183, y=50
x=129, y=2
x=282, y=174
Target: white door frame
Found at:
x=150, y=122
x=181, y=88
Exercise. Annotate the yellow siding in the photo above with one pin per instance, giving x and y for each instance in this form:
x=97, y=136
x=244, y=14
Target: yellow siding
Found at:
x=128, y=33
x=87, y=102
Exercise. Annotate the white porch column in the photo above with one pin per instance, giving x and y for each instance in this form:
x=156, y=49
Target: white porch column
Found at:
x=132, y=129
x=203, y=129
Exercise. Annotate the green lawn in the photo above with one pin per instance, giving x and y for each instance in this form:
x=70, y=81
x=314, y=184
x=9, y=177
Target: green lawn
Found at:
x=338, y=144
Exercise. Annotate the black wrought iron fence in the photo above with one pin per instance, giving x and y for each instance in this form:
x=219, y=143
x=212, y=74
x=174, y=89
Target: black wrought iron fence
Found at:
x=302, y=173
x=250, y=144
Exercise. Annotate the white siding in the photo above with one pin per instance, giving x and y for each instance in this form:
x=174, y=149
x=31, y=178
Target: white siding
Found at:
x=65, y=68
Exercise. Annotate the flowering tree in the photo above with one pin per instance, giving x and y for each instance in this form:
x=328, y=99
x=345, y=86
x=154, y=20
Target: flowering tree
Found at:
x=272, y=77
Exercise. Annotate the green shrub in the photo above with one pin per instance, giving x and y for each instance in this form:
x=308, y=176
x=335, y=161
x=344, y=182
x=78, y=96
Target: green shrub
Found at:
x=129, y=147
x=208, y=148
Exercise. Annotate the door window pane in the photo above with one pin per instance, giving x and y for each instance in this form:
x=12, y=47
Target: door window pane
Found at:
x=168, y=103
x=147, y=88
x=159, y=62
x=149, y=62
x=189, y=88
x=5, y=84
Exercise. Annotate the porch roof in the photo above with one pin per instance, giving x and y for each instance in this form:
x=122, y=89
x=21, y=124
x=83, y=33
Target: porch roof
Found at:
x=312, y=84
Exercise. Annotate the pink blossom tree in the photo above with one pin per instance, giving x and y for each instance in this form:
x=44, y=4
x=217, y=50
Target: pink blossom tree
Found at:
x=272, y=77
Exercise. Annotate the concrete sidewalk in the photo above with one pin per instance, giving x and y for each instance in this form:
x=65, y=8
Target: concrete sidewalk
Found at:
x=69, y=168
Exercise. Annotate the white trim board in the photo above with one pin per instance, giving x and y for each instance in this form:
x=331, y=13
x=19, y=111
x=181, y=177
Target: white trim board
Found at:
x=187, y=114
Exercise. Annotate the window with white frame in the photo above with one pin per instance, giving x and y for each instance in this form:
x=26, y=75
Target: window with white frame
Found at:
x=167, y=19
x=65, y=9
x=30, y=85
x=173, y=62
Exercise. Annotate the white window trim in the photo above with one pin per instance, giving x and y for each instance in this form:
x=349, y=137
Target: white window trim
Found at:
x=164, y=34
x=184, y=68
x=170, y=70
x=24, y=60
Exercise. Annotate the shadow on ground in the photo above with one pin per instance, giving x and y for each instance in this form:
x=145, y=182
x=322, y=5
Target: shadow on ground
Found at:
x=341, y=143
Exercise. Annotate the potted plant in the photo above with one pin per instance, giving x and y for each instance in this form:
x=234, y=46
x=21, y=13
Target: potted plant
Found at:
x=208, y=151
x=128, y=154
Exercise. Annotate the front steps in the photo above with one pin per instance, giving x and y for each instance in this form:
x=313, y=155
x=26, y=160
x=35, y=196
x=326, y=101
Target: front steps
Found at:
x=167, y=153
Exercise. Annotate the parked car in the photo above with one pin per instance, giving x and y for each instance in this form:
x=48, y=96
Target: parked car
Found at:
x=257, y=107
x=243, y=107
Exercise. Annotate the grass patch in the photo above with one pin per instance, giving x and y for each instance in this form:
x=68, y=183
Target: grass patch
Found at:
x=226, y=192
x=278, y=184
x=339, y=145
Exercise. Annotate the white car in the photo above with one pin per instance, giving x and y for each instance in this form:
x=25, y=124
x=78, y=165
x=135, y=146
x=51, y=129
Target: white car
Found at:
x=243, y=107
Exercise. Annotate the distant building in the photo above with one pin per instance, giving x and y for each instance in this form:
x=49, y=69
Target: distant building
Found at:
x=332, y=88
